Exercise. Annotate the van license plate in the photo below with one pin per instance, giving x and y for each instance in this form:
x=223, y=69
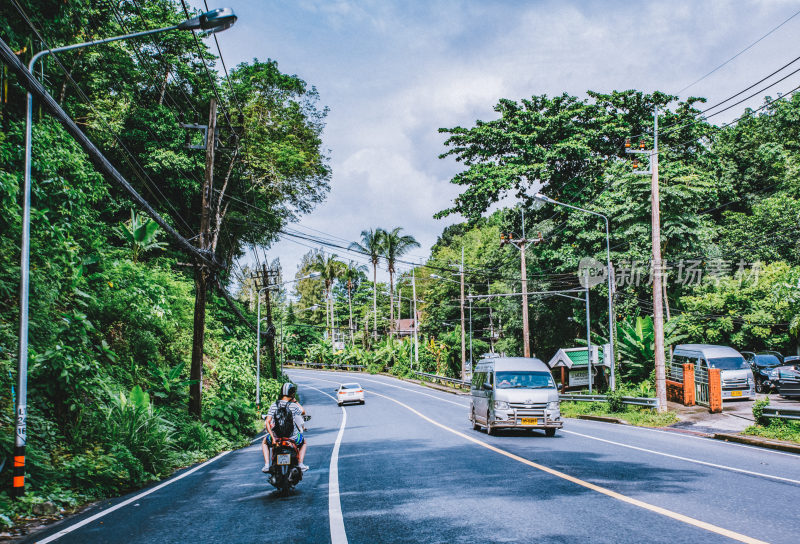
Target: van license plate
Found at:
x=529, y=421
x=736, y=393
x=284, y=458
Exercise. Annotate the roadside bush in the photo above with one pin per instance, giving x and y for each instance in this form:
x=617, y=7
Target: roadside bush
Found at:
x=758, y=412
x=131, y=421
x=102, y=473
x=232, y=417
x=615, y=403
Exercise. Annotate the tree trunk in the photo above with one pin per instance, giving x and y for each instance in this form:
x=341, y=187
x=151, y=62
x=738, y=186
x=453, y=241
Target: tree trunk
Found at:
x=375, y=301
x=196, y=372
x=391, y=303
x=327, y=314
x=350, y=304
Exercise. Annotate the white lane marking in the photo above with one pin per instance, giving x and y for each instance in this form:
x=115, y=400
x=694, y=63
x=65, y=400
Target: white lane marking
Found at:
x=588, y=485
x=99, y=515
x=723, y=467
x=687, y=459
x=338, y=534
x=706, y=439
x=398, y=387
x=671, y=433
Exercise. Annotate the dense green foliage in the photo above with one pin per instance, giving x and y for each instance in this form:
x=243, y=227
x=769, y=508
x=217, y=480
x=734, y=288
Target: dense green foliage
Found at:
x=111, y=297
x=729, y=216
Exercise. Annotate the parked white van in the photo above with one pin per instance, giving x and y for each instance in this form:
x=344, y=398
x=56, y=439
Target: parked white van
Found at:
x=516, y=393
x=735, y=373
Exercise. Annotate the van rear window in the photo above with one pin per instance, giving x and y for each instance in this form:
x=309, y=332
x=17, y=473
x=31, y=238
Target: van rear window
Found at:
x=524, y=380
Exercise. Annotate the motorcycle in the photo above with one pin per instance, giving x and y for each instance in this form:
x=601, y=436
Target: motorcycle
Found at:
x=284, y=472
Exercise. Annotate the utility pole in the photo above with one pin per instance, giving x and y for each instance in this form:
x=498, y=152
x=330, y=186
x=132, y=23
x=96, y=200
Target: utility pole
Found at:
x=268, y=278
x=201, y=274
x=491, y=321
x=588, y=335
x=657, y=267
x=463, y=340
x=470, y=327
x=415, y=321
x=520, y=244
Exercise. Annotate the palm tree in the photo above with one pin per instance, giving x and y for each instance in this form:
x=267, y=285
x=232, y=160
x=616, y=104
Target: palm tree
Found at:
x=394, y=246
x=372, y=246
x=351, y=273
x=329, y=269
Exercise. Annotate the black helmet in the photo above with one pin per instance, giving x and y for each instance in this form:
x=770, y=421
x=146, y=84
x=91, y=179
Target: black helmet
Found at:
x=288, y=390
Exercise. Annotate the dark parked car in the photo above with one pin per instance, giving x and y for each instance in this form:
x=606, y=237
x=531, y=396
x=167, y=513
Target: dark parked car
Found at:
x=762, y=363
x=786, y=378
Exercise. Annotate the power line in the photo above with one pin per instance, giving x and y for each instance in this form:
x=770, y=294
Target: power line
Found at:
x=739, y=53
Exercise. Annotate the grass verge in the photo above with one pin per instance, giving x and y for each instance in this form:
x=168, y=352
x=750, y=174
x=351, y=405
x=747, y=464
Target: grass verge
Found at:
x=634, y=415
x=776, y=430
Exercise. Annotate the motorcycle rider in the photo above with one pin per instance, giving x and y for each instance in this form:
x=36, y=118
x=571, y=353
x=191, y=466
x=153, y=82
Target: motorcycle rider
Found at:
x=287, y=398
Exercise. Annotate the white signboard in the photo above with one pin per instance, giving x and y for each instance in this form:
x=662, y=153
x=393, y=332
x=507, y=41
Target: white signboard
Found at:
x=578, y=377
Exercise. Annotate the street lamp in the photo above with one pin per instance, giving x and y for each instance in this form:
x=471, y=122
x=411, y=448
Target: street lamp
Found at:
x=258, y=329
x=542, y=199
x=211, y=21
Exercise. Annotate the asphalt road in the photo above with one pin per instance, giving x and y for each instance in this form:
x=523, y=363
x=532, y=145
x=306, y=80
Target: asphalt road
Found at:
x=409, y=468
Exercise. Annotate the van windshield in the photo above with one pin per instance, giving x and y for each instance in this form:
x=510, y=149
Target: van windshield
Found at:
x=524, y=380
x=727, y=363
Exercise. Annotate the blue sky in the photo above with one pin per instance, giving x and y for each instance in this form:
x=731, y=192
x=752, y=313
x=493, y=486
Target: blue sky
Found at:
x=394, y=72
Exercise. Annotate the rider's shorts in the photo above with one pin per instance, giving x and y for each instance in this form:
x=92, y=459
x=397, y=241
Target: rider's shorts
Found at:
x=297, y=439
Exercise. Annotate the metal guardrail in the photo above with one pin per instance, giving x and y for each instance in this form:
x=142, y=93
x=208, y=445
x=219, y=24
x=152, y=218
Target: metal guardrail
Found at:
x=781, y=413
x=320, y=365
x=633, y=401
x=445, y=379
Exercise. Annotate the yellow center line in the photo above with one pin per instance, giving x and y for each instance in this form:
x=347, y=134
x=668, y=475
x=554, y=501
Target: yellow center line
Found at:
x=583, y=483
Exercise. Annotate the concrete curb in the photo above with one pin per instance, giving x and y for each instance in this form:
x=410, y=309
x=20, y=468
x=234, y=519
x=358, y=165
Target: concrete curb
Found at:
x=604, y=419
x=759, y=441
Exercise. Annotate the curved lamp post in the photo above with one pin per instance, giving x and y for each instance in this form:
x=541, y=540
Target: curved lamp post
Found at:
x=209, y=22
x=539, y=197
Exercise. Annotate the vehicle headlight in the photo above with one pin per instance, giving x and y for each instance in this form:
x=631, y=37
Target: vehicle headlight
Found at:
x=773, y=374
x=552, y=405
x=500, y=405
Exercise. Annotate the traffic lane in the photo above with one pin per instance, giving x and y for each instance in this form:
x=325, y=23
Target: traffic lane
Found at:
x=713, y=494
x=751, y=458
x=730, y=456
x=408, y=479
x=694, y=490
x=387, y=384
x=229, y=500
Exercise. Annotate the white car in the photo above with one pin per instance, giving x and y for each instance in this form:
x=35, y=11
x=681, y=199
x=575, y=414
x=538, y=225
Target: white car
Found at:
x=349, y=392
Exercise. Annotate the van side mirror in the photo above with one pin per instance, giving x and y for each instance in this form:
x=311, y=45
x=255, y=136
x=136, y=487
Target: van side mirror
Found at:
x=487, y=386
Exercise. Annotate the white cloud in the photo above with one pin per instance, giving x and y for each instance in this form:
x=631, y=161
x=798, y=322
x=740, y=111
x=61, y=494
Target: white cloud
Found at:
x=394, y=72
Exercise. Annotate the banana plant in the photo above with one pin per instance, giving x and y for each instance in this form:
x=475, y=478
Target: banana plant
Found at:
x=636, y=345
x=141, y=234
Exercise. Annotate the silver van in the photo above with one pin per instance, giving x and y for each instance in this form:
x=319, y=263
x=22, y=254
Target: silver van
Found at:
x=514, y=393
x=735, y=373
